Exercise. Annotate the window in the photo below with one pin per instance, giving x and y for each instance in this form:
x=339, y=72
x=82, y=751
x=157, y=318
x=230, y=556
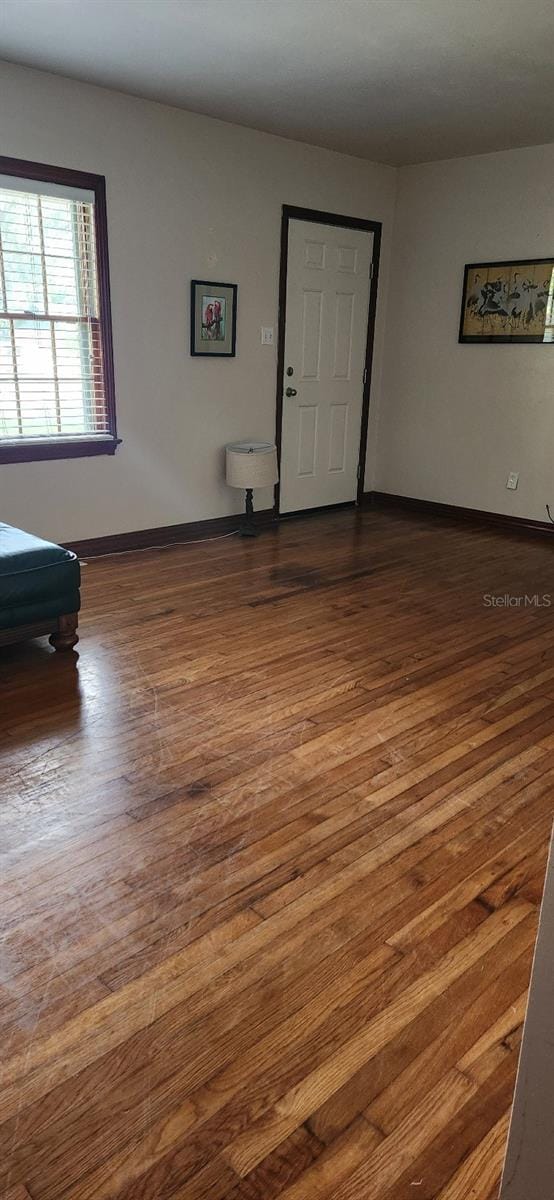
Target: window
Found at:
x=56, y=367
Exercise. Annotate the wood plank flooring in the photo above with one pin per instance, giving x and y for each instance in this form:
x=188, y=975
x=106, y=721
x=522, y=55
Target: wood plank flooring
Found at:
x=272, y=856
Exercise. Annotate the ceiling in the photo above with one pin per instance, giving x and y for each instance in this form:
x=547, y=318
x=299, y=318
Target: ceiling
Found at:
x=396, y=81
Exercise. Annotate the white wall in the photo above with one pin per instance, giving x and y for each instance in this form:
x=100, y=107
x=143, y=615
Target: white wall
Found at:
x=188, y=197
x=455, y=419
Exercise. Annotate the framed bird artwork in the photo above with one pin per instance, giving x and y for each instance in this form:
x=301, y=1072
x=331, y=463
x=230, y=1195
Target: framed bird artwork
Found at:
x=508, y=302
x=213, y=319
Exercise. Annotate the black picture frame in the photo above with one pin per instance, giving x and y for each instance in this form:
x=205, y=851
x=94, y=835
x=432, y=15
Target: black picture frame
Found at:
x=202, y=290
x=516, y=310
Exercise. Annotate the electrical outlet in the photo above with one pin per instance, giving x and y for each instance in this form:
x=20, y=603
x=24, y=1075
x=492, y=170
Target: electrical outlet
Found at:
x=512, y=480
x=267, y=335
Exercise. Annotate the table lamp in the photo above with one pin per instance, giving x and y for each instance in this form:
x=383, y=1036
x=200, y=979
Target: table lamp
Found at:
x=251, y=465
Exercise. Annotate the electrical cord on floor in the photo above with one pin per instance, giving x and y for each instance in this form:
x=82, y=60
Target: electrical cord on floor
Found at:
x=168, y=546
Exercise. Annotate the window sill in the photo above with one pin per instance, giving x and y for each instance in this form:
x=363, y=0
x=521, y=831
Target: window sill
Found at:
x=62, y=448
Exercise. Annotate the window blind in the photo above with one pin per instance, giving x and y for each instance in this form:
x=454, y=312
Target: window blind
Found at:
x=51, y=354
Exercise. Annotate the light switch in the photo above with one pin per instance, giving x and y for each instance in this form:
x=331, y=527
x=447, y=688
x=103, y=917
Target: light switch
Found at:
x=267, y=335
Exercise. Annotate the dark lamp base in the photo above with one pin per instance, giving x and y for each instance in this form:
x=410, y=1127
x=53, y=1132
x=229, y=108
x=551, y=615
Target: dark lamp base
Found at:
x=248, y=528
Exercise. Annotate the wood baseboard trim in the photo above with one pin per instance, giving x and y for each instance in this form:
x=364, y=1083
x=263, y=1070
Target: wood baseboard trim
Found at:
x=168, y=535
x=163, y=535
x=434, y=508
x=320, y=511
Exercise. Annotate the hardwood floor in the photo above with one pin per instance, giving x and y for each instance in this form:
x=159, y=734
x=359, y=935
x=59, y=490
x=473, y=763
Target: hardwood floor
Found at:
x=272, y=860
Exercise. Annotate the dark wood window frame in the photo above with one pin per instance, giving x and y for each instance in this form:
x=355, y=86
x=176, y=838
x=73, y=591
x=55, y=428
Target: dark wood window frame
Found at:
x=79, y=447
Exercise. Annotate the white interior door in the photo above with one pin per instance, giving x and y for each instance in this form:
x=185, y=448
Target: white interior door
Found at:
x=328, y=284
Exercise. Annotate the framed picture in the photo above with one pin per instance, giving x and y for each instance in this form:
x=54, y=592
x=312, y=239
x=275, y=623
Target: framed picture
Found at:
x=508, y=301
x=213, y=318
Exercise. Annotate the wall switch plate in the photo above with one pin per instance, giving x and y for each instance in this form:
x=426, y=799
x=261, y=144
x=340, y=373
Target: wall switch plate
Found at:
x=267, y=335
x=512, y=480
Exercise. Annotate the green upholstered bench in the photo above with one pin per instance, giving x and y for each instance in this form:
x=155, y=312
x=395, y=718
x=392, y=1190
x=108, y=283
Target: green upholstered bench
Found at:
x=39, y=590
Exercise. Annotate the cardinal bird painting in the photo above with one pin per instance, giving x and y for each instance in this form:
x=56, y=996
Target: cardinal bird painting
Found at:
x=213, y=312
x=213, y=318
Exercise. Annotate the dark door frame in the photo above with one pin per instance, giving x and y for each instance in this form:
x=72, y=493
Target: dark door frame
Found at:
x=290, y=212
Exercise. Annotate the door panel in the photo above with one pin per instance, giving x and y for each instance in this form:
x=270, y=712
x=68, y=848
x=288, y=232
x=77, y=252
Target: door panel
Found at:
x=328, y=283
x=311, y=334
x=307, y=432
x=337, y=437
x=344, y=316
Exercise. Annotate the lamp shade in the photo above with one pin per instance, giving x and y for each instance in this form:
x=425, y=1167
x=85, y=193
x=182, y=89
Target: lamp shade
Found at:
x=251, y=464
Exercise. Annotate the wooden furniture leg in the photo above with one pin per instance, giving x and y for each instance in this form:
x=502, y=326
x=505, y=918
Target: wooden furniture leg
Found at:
x=66, y=636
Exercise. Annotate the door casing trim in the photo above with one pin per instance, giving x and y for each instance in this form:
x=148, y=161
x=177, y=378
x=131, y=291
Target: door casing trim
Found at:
x=291, y=212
